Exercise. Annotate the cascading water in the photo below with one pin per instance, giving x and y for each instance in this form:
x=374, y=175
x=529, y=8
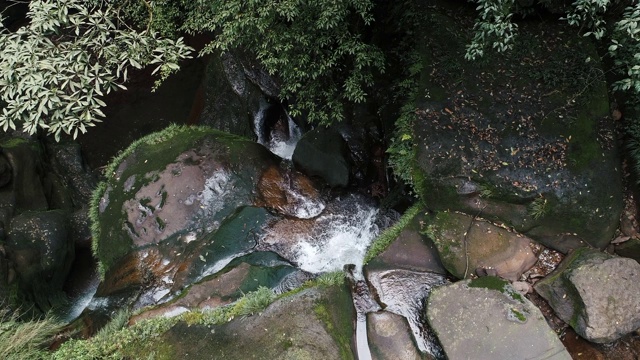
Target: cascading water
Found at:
x=404, y=293
x=339, y=236
x=282, y=138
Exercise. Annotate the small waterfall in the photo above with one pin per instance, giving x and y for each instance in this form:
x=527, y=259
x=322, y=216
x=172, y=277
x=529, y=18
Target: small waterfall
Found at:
x=81, y=301
x=276, y=130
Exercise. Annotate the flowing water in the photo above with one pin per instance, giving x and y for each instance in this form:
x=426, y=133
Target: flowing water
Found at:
x=404, y=292
x=324, y=239
x=280, y=140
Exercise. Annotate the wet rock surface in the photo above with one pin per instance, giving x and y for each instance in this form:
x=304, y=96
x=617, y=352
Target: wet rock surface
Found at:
x=404, y=293
x=42, y=252
x=487, y=319
x=596, y=294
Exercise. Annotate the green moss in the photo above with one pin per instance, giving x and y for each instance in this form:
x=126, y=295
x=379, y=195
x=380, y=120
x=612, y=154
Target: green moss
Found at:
x=13, y=142
x=496, y=283
x=518, y=315
x=336, y=313
x=382, y=242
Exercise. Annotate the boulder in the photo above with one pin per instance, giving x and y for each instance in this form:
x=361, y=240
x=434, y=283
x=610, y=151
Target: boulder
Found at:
x=41, y=250
x=223, y=288
x=323, y=152
x=176, y=207
x=314, y=324
x=390, y=337
x=26, y=190
x=411, y=250
x=630, y=249
x=234, y=92
x=524, y=138
x=404, y=292
x=487, y=319
x=595, y=293
x=468, y=245
x=67, y=162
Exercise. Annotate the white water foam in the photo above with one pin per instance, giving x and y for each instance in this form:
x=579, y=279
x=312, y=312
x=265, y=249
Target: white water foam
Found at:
x=305, y=207
x=282, y=147
x=285, y=147
x=339, y=239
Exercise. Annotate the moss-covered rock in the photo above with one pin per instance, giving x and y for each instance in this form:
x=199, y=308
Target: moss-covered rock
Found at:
x=323, y=152
x=469, y=246
x=41, y=250
x=175, y=208
x=522, y=137
x=403, y=246
x=595, y=293
x=314, y=324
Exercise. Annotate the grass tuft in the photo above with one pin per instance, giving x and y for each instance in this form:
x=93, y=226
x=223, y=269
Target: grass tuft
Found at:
x=391, y=234
x=21, y=340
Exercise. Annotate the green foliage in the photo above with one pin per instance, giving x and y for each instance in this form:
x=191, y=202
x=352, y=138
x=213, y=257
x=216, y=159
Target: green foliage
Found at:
x=253, y=302
x=401, y=156
x=314, y=48
x=493, y=29
x=24, y=339
x=391, y=234
x=538, y=208
x=329, y=279
x=55, y=71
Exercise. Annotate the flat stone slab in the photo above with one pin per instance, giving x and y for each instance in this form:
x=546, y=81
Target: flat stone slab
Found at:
x=487, y=319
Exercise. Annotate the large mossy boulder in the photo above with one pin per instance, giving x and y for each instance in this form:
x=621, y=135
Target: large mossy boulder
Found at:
x=486, y=318
x=522, y=137
x=176, y=207
x=314, y=324
x=596, y=294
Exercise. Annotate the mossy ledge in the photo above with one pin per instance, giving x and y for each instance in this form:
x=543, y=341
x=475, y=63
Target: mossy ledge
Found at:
x=123, y=342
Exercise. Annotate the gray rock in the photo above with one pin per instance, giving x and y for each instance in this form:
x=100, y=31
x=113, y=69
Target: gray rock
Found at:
x=234, y=92
x=69, y=165
x=404, y=293
x=411, y=251
x=630, y=249
x=323, y=152
x=596, y=294
x=487, y=319
x=390, y=337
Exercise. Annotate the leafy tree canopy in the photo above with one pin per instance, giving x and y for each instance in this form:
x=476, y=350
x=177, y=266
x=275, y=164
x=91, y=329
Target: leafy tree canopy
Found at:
x=55, y=70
